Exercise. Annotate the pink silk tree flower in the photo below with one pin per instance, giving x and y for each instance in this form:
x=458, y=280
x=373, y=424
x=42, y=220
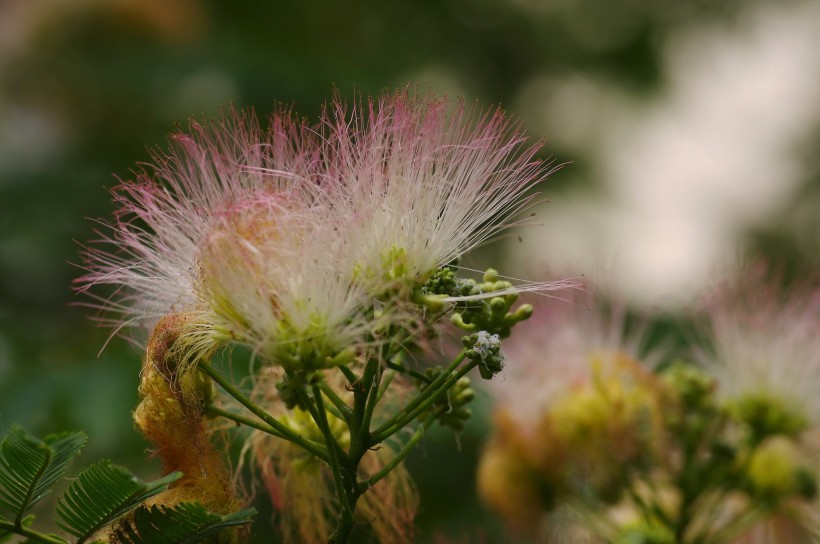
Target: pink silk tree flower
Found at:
x=270, y=274
x=301, y=241
x=150, y=253
x=765, y=341
x=424, y=181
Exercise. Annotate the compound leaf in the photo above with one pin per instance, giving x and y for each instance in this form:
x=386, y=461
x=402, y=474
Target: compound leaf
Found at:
x=103, y=493
x=30, y=466
x=183, y=523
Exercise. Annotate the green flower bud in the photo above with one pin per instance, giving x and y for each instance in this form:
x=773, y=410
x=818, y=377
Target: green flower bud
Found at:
x=490, y=275
x=442, y=282
x=773, y=468
x=498, y=305
x=199, y=386
x=434, y=302
x=456, y=420
x=450, y=409
x=462, y=393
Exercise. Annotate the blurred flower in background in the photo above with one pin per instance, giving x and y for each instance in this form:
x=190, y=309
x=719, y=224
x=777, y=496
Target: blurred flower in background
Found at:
x=762, y=344
x=591, y=445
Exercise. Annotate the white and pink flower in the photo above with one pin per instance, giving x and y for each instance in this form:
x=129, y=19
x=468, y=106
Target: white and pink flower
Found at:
x=286, y=239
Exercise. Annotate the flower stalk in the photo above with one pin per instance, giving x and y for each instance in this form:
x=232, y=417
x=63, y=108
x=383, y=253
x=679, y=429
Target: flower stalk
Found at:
x=345, y=464
x=259, y=412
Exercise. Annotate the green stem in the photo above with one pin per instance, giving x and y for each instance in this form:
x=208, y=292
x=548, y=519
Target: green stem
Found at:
x=399, y=457
x=365, y=397
x=48, y=453
x=424, y=394
x=359, y=426
x=30, y=534
x=347, y=516
x=431, y=386
x=371, y=379
x=425, y=399
x=697, y=477
x=351, y=376
x=242, y=420
x=318, y=413
x=409, y=372
x=341, y=406
x=370, y=403
x=387, y=379
x=286, y=432
x=258, y=425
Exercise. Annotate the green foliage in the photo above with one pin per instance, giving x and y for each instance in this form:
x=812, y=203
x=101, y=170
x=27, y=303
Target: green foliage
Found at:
x=184, y=523
x=30, y=466
x=103, y=493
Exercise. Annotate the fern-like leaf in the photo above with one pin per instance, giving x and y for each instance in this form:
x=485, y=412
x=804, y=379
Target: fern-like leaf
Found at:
x=30, y=466
x=184, y=523
x=101, y=494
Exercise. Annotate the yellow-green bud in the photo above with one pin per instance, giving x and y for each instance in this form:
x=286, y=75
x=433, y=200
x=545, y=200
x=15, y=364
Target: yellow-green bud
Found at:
x=774, y=466
x=491, y=275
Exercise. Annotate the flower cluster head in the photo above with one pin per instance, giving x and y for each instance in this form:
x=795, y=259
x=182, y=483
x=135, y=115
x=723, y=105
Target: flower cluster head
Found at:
x=305, y=241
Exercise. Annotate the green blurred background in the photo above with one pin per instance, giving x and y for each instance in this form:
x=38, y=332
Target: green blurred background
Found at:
x=691, y=129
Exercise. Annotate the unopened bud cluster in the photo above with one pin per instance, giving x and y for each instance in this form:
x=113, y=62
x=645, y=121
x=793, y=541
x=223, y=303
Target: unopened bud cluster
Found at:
x=451, y=409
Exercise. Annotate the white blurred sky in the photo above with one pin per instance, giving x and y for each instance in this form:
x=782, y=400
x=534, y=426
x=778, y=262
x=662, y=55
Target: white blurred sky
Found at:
x=687, y=172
